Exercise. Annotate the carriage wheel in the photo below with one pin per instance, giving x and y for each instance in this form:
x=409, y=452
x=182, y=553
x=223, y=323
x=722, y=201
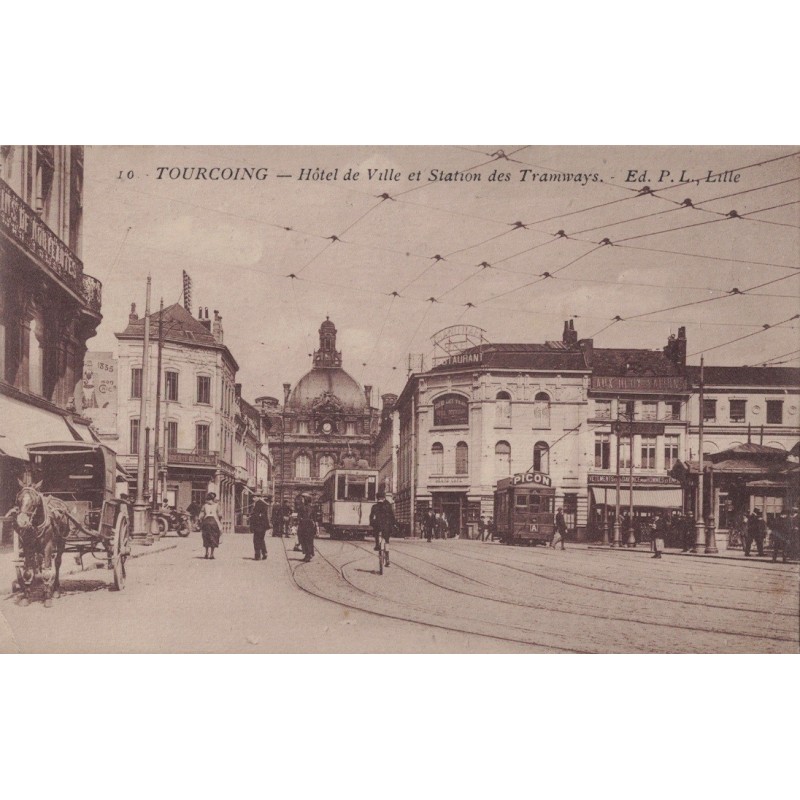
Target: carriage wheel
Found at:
x=121, y=551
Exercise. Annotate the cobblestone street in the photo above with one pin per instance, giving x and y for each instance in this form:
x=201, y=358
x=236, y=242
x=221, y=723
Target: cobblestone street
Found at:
x=445, y=596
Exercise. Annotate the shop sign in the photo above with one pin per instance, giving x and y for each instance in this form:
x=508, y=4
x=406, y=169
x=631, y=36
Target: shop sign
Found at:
x=540, y=478
x=638, y=480
x=452, y=409
x=448, y=480
x=638, y=383
x=638, y=428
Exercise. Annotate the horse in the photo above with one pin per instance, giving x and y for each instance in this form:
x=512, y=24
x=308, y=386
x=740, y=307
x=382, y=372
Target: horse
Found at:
x=42, y=524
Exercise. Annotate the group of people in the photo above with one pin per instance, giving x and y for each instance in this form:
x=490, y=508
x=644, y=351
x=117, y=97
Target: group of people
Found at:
x=435, y=525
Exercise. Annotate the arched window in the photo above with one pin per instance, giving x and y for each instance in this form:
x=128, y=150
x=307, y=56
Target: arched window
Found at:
x=326, y=464
x=541, y=410
x=541, y=457
x=302, y=466
x=451, y=409
x=462, y=458
x=437, y=458
x=502, y=459
x=502, y=410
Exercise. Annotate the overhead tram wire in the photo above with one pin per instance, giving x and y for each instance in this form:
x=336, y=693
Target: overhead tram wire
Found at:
x=769, y=361
x=763, y=329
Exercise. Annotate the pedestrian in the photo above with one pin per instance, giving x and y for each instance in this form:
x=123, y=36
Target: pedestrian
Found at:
x=560, y=530
x=482, y=529
x=688, y=532
x=756, y=530
x=193, y=510
x=429, y=524
x=277, y=520
x=441, y=526
x=382, y=521
x=659, y=535
x=306, y=530
x=259, y=523
x=491, y=529
x=210, y=525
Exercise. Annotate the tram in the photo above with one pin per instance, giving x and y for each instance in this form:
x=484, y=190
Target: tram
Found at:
x=347, y=499
x=523, y=508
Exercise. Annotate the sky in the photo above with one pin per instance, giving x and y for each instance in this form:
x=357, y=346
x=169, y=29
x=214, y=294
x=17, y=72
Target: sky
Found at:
x=394, y=261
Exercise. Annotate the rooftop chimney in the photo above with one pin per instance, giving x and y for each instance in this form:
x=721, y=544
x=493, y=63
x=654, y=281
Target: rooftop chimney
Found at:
x=133, y=316
x=204, y=320
x=676, y=348
x=368, y=395
x=570, y=335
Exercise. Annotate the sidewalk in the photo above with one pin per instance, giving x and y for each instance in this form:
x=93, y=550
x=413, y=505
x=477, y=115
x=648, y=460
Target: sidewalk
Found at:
x=71, y=566
x=728, y=555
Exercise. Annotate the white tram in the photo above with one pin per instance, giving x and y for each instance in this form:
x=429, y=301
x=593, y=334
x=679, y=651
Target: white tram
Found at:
x=347, y=499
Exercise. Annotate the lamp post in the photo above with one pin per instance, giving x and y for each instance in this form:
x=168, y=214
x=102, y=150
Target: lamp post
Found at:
x=615, y=542
x=711, y=533
x=141, y=515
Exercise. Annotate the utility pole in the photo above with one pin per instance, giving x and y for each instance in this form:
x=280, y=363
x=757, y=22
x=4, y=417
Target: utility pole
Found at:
x=141, y=518
x=157, y=431
x=615, y=542
x=711, y=533
x=700, y=527
x=631, y=538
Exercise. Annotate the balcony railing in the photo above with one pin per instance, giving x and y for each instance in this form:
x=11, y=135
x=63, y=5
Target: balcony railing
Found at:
x=206, y=458
x=23, y=224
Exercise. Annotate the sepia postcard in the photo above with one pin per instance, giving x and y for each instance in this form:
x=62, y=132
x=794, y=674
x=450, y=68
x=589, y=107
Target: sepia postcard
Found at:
x=399, y=399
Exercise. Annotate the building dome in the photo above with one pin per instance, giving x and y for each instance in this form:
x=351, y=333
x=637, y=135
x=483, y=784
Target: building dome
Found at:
x=327, y=384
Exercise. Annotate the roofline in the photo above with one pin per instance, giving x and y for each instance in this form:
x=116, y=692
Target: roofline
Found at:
x=223, y=348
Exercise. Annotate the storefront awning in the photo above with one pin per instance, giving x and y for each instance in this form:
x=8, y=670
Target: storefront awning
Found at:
x=643, y=498
x=22, y=424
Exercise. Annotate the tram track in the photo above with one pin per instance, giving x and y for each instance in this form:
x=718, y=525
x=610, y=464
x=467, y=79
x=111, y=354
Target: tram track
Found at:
x=339, y=570
x=553, y=607
x=585, y=585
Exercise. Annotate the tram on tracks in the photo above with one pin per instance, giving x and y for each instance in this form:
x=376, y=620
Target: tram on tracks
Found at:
x=524, y=508
x=346, y=501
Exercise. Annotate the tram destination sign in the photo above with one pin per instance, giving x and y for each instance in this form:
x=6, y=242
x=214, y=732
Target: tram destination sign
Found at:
x=531, y=477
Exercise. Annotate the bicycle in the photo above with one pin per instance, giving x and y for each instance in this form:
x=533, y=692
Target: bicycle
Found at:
x=383, y=554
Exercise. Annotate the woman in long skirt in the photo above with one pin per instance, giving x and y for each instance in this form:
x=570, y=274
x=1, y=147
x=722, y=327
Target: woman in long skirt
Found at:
x=210, y=524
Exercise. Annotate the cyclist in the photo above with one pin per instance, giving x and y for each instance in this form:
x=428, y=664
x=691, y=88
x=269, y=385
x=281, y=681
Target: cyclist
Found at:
x=382, y=521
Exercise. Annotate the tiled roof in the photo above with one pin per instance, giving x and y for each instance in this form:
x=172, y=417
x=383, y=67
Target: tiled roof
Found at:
x=627, y=361
x=179, y=325
x=745, y=376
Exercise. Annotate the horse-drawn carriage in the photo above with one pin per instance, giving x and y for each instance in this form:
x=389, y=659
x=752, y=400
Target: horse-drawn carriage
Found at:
x=69, y=506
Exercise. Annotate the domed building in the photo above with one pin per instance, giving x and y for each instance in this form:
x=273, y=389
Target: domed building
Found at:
x=327, y=421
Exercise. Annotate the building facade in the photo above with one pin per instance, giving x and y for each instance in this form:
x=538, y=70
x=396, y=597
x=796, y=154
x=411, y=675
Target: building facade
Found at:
x=198, y=410
x=326, y=420
x=638, y=430
x=49, y=307
x=751, y=430
x=250, y=460
x=492, y=411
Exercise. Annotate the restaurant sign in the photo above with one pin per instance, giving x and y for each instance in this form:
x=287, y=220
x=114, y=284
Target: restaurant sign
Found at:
x=638, y=428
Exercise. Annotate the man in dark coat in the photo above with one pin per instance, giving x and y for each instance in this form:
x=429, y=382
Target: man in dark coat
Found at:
x=756, y=530
x=382, y=521
x=560, y=530
x=277, y=520
x=306, y=529
x=259, y=522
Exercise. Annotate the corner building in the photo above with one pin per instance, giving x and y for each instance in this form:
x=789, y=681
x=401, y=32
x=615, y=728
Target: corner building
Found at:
x=489, y=412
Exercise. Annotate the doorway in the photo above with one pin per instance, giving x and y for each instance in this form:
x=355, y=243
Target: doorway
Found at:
x=453, y=506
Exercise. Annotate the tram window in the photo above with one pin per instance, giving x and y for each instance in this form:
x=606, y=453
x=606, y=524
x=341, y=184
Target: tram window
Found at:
x=356, y=489
x=370, y=488
x=522, y=500
x=341, y=492
x=535, y=502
